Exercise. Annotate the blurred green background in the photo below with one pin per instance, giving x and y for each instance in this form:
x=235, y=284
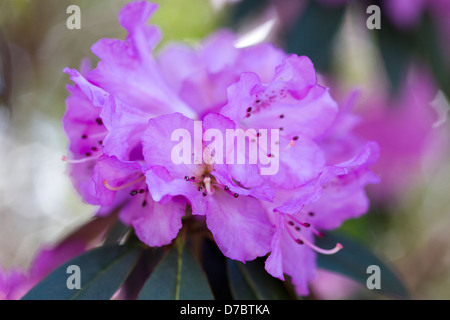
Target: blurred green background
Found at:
x=37, y=202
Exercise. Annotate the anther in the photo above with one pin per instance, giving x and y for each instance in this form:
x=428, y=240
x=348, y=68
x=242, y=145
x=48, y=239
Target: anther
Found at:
x=133, y=192
x=249, y=109
x=236, y=195
x=144, y=203
x=186, y=178
x=226, y=188
x=84, y=136
x=281, y=116
x=99, y=121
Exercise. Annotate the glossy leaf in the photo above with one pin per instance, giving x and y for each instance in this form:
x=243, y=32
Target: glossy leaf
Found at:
x=250, y=281
x=102, y=271
x=177, y=277
x=314, y=33
x=396, y=49
x=5, y=71
x=353, y=261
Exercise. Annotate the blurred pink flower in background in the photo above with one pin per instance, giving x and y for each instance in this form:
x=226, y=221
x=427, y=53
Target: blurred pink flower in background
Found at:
x=412, y=137
x=328, y=285
x=15, y=283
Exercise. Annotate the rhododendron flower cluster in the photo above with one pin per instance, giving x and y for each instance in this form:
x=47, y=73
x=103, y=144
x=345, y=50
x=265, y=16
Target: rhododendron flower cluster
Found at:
x=121, y=116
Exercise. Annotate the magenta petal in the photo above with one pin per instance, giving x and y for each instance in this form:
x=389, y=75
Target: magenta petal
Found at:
x=342, y=200
x=111, y=175
x=292, y=102
x=297, y=74
x=240, y=226
x=95, y=94
x=125, y=127
x=155, y=224
x=158, y=146
x=128, y=70
x=250, y=60
x=163, y=188
x=299, y=262
x=274, y=262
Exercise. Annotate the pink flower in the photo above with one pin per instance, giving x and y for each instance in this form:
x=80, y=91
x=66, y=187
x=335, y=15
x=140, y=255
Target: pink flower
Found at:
x=405, y=130
x=14, y=284
x=233, y=213
x=122, y=115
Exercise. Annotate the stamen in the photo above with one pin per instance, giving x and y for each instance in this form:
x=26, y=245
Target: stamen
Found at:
x=304, y=224
x=207, y=183
x=97, y=135
x=129, y=184
x=290, y=145
x=317, y=232
x=75, y=161
x=300, y=239
x=336, y=249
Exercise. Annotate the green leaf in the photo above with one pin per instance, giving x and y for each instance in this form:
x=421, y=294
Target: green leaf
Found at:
x=116, y=233
x=245, y=10
x=102, y=271
x=250, y=281
x=5, y=71
x=432, y=51
x=396, y=48
x=314, y=33
x=177, y=277
x=353, y=261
